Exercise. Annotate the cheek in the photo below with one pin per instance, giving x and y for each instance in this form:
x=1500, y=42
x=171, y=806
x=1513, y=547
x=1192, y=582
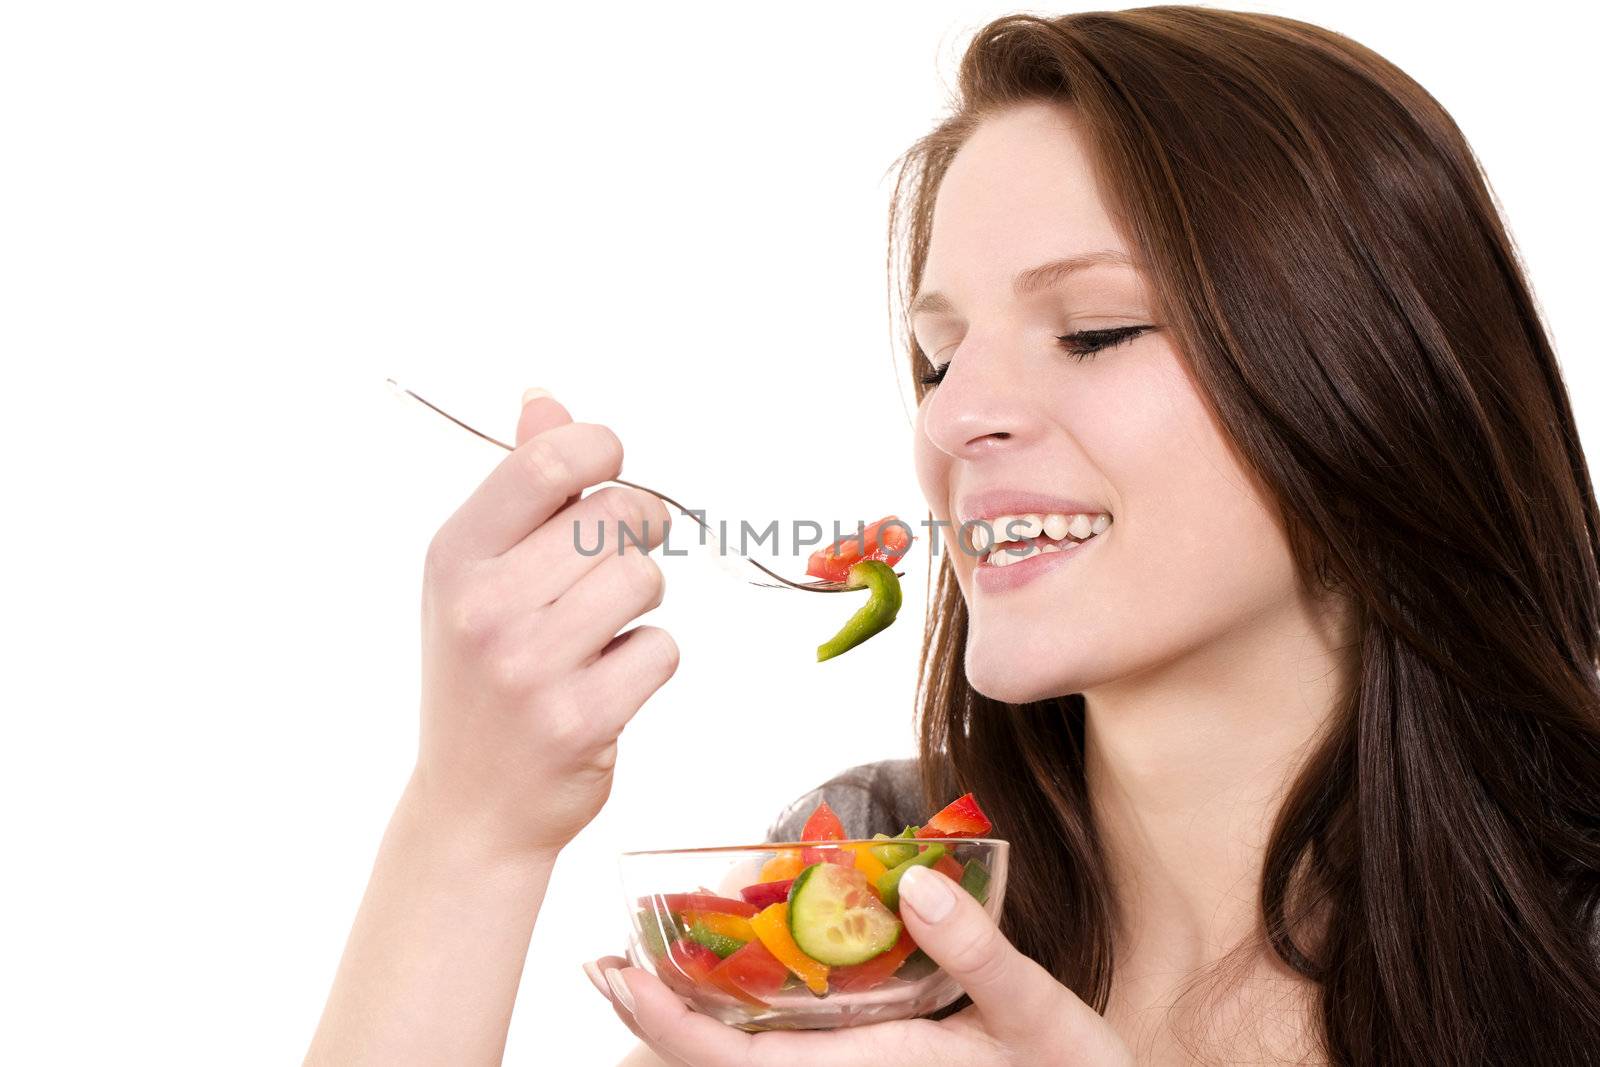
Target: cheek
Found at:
x=1195, y=552
x=1204, y=547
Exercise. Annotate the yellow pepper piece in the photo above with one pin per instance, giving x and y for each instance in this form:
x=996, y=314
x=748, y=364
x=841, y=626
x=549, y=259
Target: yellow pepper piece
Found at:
x=772, y=926
x=720, y=922
x=786, y=864
x=867, y=863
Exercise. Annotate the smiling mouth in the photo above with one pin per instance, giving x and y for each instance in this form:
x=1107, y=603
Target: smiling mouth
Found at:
x=1007, y=539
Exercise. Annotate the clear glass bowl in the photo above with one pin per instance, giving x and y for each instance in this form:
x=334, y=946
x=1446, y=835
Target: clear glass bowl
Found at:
x=656, y=889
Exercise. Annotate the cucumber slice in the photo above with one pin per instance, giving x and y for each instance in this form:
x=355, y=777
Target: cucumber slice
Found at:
x=889, y=881
x=836, y=918
x=723, y=945
x=975, y=880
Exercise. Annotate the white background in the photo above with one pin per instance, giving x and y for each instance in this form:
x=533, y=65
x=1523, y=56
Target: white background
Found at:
x=223, y=225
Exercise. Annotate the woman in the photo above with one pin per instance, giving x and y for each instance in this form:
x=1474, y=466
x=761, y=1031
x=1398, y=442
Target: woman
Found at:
x=1303, y=749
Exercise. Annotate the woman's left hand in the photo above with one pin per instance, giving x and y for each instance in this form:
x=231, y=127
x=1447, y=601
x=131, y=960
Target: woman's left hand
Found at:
x=1020, y=1015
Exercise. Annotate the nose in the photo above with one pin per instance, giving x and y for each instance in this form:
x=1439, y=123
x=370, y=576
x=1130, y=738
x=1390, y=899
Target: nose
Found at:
x=981, y=406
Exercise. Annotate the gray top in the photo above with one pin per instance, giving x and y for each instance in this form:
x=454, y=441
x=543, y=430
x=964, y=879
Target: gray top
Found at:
x=870, y=798
x=884, y=797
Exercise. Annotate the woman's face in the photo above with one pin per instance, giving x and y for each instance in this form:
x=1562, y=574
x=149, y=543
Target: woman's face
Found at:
x=1188, y=553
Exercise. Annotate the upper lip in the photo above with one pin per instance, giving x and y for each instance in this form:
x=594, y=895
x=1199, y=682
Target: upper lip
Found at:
x=993, y=503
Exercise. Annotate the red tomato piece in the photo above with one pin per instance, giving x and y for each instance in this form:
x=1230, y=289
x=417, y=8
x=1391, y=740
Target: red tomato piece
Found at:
x=886, y=540
x=691, y=959
x=679, y=902
x=948, y=867
x=763, y=894
x=873, y=972
x=749, y=974
x=823, y=825
x=960, y=818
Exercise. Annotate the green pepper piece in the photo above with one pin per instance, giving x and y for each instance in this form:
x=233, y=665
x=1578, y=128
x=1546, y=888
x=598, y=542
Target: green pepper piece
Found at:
x=657, y=930
x=975, y=880
x=889, y=881
x=892, y=854
x=723, y=945
x=875, y=615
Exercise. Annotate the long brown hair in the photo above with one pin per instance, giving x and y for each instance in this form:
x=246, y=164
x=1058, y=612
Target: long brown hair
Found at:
x=1333, y=268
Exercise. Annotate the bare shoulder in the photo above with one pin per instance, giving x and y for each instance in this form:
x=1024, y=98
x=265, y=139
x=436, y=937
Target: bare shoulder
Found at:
x=883, y=796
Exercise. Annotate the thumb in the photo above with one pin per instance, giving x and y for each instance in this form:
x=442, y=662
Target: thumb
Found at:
x=540, y=412
x=1021, y=1003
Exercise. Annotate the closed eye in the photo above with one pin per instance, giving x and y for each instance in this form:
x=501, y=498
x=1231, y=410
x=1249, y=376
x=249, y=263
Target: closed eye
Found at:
x=1080, y=346
x=1085, y=343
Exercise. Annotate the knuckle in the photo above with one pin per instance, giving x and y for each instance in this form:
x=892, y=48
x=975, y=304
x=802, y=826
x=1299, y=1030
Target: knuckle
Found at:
x=439, y=560
x=545, y=464
x=474, y=619
x=620, y=512
x=651, y=517
x=662, y=651
x=511, y=673
x=615, y=506
x=644, y=578
x=980, y=954
x=607, y=447
x=567, y=726
x=600, y=520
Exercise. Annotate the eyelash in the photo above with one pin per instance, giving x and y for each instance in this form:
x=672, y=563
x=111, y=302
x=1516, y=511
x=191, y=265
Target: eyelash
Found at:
x=1080, y=346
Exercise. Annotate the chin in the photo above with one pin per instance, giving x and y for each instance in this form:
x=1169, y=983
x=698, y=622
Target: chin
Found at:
x=1015, y=675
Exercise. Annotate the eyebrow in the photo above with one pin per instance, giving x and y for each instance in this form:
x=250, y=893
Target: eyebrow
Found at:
x=1031, y=280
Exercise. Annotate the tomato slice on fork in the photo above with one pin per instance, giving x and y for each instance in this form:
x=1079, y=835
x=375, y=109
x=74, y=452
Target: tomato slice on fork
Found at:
x=887, y=540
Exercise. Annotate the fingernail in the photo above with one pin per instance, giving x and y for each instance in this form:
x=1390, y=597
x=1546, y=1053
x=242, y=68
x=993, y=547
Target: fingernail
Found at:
x=620, y=988
x=593, y=972
x=927, y=893
x=533, y=394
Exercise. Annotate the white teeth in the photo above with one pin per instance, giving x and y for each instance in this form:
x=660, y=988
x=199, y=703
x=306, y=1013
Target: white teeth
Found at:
x=982, y=535
x=1020, y=527
x=1054, y=526
x=1022, y=553
x=987, y=534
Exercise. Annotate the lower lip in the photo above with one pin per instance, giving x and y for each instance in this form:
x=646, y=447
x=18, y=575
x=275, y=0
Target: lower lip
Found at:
x=993, y=579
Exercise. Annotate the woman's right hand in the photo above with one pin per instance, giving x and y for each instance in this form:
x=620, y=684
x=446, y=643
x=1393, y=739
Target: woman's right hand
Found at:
x=526, y=681
x=525, y=687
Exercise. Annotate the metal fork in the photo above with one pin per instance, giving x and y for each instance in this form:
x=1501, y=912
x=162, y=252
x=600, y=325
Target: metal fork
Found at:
x=819, y=586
